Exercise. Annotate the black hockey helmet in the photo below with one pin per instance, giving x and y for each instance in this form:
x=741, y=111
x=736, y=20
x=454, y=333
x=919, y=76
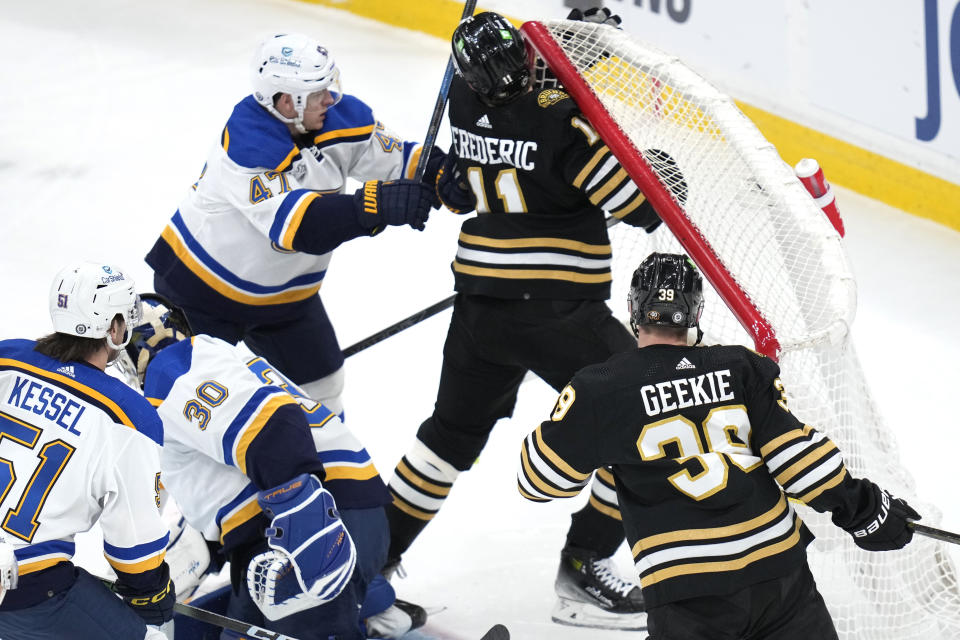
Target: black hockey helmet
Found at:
x=666, y=290
x=490, y=55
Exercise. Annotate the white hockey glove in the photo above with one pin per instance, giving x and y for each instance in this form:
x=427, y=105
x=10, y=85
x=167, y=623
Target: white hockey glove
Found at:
x=311, y=557
x=164, y=632
x=188, y=557
x=8, y=569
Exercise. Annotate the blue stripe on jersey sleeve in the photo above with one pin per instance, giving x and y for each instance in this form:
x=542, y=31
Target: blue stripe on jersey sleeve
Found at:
x=343, y=455
x=283, y=212
x=256, y=138
x=168, y=365
x=228, y=276
x=350, y=113
x=31, y=551
x=110, y=395
x=138, y=551
x=243, y=417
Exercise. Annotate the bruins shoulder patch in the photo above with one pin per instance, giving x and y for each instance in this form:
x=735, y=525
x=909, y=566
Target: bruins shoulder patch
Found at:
x=550, y=97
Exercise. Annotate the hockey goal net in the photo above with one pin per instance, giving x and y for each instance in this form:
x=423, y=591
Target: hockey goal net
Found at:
x=779, y=281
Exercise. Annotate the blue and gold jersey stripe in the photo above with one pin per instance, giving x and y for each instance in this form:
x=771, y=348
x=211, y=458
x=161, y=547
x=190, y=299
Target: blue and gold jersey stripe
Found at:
x=139, y=558
x=43, y=555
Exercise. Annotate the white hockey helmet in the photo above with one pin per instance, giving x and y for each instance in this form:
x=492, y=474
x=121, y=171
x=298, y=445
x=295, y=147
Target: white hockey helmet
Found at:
x=295, y=64
x=85, y=297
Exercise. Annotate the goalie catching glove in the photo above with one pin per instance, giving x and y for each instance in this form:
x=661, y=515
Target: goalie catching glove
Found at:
x=397, y=202
x=311, y=557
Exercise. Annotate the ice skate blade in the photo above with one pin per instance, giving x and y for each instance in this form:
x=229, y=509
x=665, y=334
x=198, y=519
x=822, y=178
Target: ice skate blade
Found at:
x=582, y=614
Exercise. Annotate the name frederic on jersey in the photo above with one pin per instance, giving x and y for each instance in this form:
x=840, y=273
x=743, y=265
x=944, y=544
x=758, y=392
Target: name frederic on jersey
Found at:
x=486, y=150
x=709, y=388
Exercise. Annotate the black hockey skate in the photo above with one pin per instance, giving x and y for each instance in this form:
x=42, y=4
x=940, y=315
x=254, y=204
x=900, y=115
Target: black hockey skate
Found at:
x=592, y=594
x=398, y=619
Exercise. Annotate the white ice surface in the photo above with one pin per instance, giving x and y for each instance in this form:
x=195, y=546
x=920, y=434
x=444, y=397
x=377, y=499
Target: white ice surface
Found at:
x=107, y=111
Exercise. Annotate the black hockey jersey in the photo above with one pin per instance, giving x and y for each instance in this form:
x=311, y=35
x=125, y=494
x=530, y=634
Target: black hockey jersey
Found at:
x=701, y=441
x=543, y=178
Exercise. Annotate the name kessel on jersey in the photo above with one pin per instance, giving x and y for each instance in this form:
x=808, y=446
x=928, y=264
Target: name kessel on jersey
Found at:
x=487, y=150
x=708, y=388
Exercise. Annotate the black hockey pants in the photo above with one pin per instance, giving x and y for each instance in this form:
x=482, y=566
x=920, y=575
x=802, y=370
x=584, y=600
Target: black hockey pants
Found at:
x=786, y=608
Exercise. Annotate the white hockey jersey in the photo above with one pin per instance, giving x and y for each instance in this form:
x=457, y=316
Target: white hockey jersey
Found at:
x=76, y=446
x=234, y=231
x=213, y=405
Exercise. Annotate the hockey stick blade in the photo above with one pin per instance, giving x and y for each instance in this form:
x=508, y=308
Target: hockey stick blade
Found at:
x=440, y=106
x=416, y=318
x=936, y=534
x=497, y=632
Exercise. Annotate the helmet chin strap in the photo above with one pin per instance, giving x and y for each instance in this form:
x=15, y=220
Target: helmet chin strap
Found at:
x=296, y=122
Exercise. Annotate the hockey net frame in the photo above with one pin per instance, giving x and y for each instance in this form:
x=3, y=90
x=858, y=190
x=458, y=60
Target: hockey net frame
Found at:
x=777, y=279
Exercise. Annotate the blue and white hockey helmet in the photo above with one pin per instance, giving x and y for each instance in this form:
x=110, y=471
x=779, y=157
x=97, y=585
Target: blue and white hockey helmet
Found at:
x=162, y=325
x=85, y=298
x=295, y=64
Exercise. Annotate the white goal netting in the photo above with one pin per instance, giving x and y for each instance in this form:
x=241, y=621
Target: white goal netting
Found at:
x=777, y=261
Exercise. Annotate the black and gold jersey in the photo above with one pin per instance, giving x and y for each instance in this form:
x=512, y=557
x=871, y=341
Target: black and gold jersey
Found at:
x=543, y=178
x=704, y=452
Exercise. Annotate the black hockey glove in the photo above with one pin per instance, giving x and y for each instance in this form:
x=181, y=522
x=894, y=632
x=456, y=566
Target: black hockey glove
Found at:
x=453, y=192
x=884, y=526
x=155, y=606
x=432, y=170
x=598, y=15
x=394, y=203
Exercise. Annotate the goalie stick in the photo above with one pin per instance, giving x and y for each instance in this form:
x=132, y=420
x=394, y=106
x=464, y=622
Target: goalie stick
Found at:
x=439, y=107
x=416, y=318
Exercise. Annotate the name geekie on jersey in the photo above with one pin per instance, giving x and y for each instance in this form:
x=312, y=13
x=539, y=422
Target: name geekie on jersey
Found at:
x=686, y=392
x=486, y=150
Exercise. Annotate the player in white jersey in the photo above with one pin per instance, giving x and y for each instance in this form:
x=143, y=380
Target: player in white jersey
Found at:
x=78, y=446
x=247, y=251
x=237, y=432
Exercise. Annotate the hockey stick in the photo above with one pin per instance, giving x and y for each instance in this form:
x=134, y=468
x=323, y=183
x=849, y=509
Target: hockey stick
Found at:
x=438, y=109
x=936, y=534
x=416, y=318
x=216, y=619
x=496, y=632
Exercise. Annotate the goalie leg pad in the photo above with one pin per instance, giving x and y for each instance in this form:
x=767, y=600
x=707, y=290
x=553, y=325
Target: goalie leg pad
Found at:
x=312, y=556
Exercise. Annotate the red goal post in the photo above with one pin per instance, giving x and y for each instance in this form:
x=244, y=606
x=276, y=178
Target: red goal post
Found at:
x=779, y=267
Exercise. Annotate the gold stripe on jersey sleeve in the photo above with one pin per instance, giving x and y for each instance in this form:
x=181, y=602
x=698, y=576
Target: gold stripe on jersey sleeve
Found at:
x=240, y=516
x=530, y=496
x=597, y=196
x=687, y=535
x=334, y=472
x=137, y=567
x=782, y=439
x=728, y=565
x=631, y=206
x=536, y=243
x=784, y=477
x=155, y=402
x=404, y=506
x=286, y=161
x=225, y=139
x=253, y=429
x=412, y=163
x=411, y=478
x=343, y=133
x=605, y=509
x=533, y=274
x=544, y=449
x=604, y=474
x=296, y=218
x=830, y=484
x=538, y=481
x=70, y=382
x=590, y=166
x=31, y=567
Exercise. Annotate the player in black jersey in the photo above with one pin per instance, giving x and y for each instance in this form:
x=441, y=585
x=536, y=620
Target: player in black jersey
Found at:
x=705, y=453
x=532, y=272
